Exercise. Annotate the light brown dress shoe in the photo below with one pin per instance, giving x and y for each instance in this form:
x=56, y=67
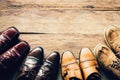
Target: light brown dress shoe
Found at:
x=89, y=65
x=108, y=61
x=70, y=67
x=112, y=38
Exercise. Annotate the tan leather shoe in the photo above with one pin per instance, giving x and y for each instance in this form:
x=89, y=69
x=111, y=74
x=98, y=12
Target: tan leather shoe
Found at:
x=89, y=65
x=108, y=61
x=112, y=38
x=70, y=67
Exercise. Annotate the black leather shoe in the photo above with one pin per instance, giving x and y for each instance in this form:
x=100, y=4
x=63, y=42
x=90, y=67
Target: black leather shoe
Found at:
x=31, y=66
x=50, y=67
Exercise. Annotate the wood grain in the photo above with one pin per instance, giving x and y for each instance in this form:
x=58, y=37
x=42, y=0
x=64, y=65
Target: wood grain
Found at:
x=63, y=42
x=86, y=22
x=60, y=25
x=67, y=29
x=69, y=4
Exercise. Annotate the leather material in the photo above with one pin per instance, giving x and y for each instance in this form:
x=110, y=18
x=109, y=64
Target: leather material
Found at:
x=12, y=56
x=7, y=37
x=12, y=59
x=31, y=65
x=50, y=67
x=88, y=64
x=29, y=69
x=70, y=67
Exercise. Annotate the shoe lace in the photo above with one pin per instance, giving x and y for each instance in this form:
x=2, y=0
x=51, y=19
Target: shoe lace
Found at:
x=30, y=72
x=47, y=71
x=117, y=52
x=115, y=64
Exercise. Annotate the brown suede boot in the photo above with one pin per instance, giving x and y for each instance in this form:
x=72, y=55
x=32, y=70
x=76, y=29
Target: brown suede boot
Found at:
x=70, y=67
x=112, y=38
x=108, y=61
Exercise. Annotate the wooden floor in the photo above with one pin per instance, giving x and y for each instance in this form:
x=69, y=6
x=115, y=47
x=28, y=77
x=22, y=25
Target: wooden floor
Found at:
x=60, y=25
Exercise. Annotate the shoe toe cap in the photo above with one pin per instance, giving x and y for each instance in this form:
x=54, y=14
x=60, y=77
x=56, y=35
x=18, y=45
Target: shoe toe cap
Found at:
x=54, y=57
x=37, y=53
x=86, y=54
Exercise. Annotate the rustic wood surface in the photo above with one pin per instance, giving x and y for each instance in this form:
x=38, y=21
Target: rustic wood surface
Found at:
x=60, y=25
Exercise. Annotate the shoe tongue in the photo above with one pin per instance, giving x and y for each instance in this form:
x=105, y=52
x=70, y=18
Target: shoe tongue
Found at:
x=37, y=53
x=54, y=58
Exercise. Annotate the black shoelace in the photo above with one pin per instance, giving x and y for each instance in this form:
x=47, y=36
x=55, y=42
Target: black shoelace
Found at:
x=115, y=64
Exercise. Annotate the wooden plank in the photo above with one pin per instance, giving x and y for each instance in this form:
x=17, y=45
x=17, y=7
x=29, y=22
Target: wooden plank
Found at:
x=69, y=4
x=63, y=42
x=33, y=20
x=65, y=24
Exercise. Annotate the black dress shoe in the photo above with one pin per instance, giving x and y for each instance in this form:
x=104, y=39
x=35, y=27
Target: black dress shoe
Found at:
x=50, y=67
x=31, y=66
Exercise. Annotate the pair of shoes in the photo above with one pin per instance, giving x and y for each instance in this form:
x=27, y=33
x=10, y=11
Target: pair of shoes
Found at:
x=36, y=68
x=86, y=69
x=108, y=56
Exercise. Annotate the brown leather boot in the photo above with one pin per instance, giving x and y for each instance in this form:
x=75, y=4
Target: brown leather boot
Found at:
x=112, y=38
x=108, y=61
x=70, y=67
x=89, y=65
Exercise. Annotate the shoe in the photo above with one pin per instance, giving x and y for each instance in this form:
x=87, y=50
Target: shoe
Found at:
x=13, y=55
x=70, y=67
x=49, y=69
x=108, y=61
x=12, y=58
x=112, y=38
x=7, y=38
x=31, y=65
x=88, y=65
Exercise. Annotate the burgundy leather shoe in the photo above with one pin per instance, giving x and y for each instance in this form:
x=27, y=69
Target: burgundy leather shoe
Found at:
x=50, y=67
x=12, y=58
x=31, y=65
x=7, y=38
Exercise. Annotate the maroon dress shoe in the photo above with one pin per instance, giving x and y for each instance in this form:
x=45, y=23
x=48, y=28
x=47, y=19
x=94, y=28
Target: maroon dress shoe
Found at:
x=12, y=58
x=31, y=65
x=50, y=67
x=8, y=38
